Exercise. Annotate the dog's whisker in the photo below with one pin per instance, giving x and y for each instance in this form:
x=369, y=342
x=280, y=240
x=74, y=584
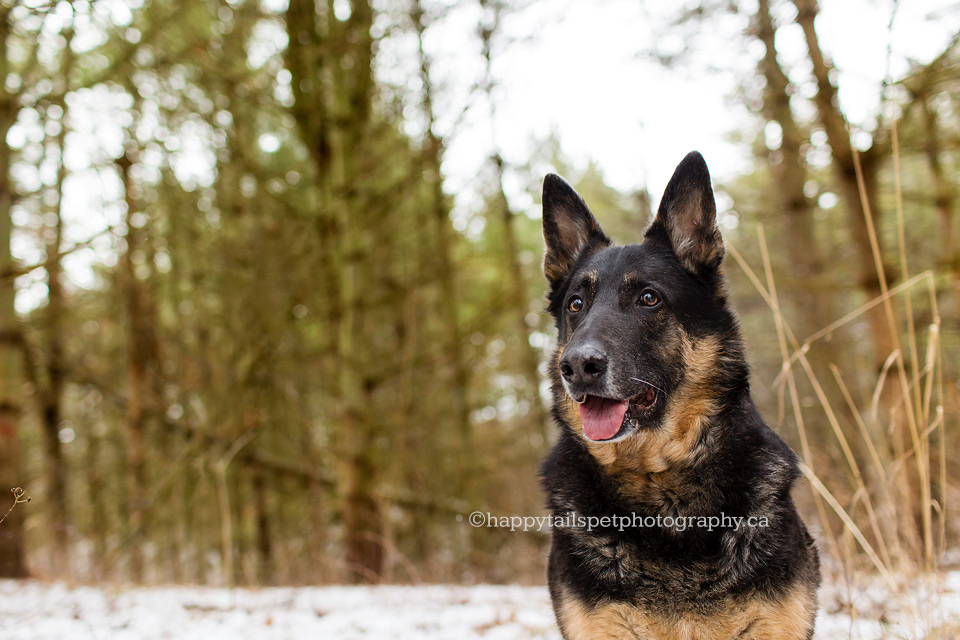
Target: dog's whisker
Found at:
x=650, y=384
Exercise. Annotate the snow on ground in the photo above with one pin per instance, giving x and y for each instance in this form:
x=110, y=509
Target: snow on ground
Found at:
x=37, y=611
x=33, y=610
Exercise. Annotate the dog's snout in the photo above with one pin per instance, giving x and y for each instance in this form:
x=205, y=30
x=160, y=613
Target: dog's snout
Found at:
x=583, y=365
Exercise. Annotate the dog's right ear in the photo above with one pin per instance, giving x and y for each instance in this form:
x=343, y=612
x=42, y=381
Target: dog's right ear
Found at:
x=568, y=227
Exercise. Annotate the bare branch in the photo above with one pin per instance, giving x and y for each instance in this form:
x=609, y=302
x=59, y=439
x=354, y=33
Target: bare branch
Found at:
x=18, y=498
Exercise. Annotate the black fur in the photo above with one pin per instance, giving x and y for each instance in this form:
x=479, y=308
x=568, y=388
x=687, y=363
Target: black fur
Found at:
x=737, y=465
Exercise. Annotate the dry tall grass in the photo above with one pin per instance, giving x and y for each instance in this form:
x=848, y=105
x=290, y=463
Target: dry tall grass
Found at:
x=885, y=532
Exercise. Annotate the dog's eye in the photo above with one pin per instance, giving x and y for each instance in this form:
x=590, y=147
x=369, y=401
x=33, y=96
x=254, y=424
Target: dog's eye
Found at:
x=649, y=298
x=575, y=305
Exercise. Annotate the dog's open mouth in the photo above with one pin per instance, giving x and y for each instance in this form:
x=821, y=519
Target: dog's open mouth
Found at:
x=605, y=418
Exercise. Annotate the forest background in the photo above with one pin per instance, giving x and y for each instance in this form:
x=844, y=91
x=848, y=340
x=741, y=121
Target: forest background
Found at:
x=270, y=301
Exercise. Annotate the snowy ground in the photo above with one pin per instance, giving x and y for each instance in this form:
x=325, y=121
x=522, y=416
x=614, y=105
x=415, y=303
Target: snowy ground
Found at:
x=32, y=610
x=35, y=611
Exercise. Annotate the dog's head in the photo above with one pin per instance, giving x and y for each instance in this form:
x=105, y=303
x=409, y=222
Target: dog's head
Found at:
x=644, y=329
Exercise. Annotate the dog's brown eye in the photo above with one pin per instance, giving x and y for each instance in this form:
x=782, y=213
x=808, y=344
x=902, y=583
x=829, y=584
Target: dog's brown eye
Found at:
x=575, y=304
x=649, y=299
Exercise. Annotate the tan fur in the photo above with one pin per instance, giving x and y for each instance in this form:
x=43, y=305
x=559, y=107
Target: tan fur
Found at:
x=553, y=269
x=630, y=280
x=693, y=232
x=568, y=407
x=758, y=618
x=572, y=237
x=648, y=456
x=590, y=280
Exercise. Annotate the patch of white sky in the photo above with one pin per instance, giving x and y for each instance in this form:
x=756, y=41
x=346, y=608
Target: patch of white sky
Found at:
x=571, y=69
x=583, y=77
x=578, y=71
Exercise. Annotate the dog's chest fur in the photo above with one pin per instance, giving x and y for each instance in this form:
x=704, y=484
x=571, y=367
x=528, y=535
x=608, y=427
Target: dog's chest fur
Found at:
x=756, y=618
x=664, y=583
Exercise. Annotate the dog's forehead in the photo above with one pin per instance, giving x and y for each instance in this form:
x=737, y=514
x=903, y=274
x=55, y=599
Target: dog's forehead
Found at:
x=621, y=263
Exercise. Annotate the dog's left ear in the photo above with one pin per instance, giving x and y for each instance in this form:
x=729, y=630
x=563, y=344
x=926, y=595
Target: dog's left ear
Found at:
x=688, y=216
x=568, y=228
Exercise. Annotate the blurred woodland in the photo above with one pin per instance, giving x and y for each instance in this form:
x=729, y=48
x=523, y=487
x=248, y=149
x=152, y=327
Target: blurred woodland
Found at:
x=297, y=366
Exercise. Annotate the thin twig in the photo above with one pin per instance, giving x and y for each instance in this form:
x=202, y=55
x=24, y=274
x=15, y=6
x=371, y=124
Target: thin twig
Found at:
x=17, y=499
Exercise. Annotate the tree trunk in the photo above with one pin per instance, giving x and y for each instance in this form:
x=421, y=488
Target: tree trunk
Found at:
x=265, y=561
x=333, y=106
x=943, y=197
x=790, y=174
x=137, y=384
x=52, y=396
x=361, y=512
x=530, y=362
x=12, y=559
x=530, y=359
x=836, y=127
x=93, y=462
x=433, y=158
x=808, y=301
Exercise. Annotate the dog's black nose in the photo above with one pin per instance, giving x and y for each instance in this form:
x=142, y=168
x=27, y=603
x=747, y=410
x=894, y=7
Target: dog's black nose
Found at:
x=583, y=365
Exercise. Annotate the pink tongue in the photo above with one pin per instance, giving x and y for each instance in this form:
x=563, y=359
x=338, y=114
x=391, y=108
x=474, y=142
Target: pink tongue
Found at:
x=602, y=417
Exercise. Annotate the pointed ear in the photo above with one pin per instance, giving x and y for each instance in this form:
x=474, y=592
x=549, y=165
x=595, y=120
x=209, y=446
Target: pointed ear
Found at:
x=568, y=227
x=688, y=216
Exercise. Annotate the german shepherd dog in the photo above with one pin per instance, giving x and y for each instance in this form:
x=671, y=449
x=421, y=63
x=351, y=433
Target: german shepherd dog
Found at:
x=659, y=431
